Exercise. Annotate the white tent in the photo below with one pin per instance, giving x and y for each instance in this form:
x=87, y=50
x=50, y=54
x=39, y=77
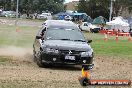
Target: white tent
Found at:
x=118, y=23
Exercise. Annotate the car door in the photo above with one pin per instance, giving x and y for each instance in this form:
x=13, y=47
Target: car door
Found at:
x=85, y=27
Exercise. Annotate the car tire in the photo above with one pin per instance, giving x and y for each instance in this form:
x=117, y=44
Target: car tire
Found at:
x=39, y=61
x=34, y=56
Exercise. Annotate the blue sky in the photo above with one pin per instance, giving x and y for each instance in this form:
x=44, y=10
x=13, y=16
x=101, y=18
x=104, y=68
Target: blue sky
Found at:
x=66, y=1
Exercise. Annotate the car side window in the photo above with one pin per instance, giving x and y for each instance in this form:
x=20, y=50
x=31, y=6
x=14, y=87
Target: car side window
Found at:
x=85, y=24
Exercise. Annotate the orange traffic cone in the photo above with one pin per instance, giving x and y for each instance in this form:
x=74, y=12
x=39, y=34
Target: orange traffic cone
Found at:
x=85, y=73
x=116, y=38
x=17, y=29
x=129, y=38
x=105, y=38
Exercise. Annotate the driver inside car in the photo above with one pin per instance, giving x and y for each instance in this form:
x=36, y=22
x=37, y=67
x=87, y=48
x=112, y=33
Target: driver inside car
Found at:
x=43, y=31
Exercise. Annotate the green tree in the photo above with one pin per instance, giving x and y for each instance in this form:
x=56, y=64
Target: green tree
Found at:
x=31, y=6
x=6, y=4
x=96, y=8
x=120, y=5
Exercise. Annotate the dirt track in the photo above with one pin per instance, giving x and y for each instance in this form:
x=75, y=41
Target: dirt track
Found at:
x=21, y=70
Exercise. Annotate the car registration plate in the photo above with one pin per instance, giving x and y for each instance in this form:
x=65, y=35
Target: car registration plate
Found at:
x=69, y=57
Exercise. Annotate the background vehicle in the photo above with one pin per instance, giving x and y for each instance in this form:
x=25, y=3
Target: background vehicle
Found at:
x=0, y=11
x=47, y=16
x=8, y=14
x=62, y=45
x=85, y=26
x=94, y=28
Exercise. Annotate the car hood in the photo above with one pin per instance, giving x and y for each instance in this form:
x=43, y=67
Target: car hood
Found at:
x=94, y=26
x=67, y=45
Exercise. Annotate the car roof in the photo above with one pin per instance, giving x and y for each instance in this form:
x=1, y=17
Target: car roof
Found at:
x=59, y=23
x=63, y=27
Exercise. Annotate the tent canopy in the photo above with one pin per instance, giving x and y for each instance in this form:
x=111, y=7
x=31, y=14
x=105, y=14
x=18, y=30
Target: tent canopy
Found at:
x=119, y=24
x=130, y=21
x=99, y=20
x=62, y=13
x=78, y=14
x=117, y=21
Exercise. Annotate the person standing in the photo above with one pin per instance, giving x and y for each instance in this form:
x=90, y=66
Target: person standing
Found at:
x=130, y=31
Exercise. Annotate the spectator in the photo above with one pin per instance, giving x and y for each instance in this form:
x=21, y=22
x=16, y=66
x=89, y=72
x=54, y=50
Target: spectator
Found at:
x=130, y=31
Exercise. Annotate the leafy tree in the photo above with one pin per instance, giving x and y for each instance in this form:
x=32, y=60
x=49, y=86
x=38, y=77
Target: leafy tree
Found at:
x=6, y=4
x=120, y=5
x=32, y=6
x=96, y=8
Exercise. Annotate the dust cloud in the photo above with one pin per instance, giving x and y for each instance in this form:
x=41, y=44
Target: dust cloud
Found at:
x=17, y=52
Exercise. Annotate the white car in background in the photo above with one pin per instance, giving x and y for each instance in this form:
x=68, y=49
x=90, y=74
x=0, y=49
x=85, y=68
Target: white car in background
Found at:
x=94, y=28
x=47, y=16
x=89, y=27
x=85, y=26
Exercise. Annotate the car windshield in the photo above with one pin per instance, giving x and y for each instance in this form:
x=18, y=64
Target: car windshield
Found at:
x=64, y=26
x=64, y=34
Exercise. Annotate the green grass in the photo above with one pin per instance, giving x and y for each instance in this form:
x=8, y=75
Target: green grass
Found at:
x=4, y=59
x=111, y=48
x=24, y=37
x=23, y=19
x=26, y=34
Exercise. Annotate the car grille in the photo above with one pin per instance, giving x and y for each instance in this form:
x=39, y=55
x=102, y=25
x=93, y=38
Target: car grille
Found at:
x=72, y=52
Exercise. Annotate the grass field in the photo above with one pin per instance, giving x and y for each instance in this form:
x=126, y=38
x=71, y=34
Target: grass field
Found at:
x=25, y=35
x=122, y=48
x=23, y=19
x=17, y=36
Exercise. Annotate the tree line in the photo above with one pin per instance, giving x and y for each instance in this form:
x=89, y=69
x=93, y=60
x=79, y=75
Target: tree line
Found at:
x=33, y=6
x=93, y=8
x=96, y=8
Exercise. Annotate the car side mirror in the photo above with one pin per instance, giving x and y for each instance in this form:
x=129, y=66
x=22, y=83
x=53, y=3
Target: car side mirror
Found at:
x=38, y=37
x=89, y=41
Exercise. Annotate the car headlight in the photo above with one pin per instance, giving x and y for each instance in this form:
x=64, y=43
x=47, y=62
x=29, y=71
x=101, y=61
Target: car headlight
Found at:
x=87, y=54
x=50, y=50
x=84, y=54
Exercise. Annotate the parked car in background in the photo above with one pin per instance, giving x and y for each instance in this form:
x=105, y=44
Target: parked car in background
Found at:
x=94, y=28
x=0, y=11
x=8, y=14
x=3, y=13
x=68, y=18
x=85, y=26
x=47, y=16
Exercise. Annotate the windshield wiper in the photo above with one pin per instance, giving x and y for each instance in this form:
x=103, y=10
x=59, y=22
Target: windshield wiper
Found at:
x=64, y=39
x=80, y=40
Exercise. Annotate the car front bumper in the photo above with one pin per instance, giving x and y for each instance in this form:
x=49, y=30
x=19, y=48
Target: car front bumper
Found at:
x=60, y=59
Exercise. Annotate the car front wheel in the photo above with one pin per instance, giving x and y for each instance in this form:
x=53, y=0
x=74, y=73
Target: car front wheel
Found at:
x=39, y=61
